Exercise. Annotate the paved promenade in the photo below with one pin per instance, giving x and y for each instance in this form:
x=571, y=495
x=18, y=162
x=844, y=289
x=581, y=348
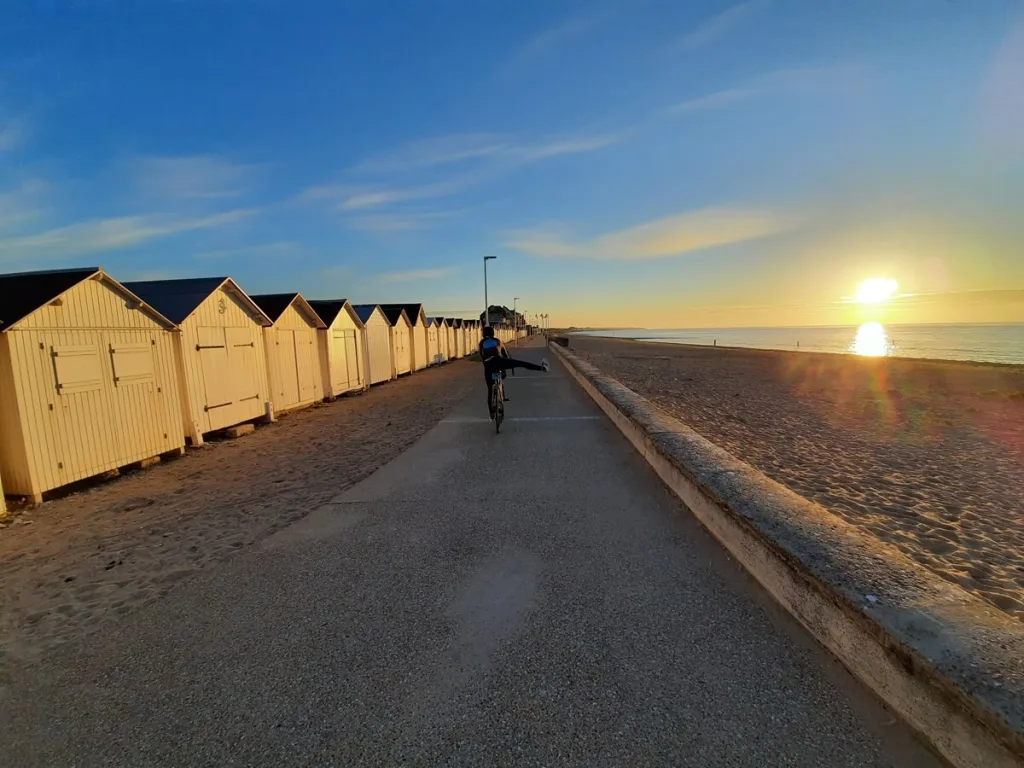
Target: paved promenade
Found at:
x=533, y=598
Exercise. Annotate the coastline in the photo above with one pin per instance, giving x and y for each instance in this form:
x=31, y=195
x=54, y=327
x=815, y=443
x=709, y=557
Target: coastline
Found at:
x=801, y=352
x=895, y=352
x=927, y=455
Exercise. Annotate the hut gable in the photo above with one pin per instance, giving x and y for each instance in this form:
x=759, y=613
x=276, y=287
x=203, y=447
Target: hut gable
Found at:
x=177, y=300
x=394, y=313
x=288, y=310
x=365, y=311
x=328, y=310
x=42, y=300
x=414, y=313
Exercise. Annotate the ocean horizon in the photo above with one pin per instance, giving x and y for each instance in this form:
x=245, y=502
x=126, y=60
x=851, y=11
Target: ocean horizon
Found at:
x=966, y=342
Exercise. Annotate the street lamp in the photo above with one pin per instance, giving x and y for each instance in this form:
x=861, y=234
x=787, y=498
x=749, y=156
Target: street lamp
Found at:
x=515, y=319
x=487, y=303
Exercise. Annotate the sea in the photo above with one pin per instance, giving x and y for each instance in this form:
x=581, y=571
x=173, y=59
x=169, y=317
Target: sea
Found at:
x=987, y=343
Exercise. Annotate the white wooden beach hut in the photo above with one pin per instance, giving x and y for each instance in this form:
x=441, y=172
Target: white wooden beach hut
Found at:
x=434, y=354
x=460, y=336
x=449, y=337
x=88, y=380
x=293, y=351
x=380, y=354
x=342, y=347
x=401, y=338
x=443, y=345
x=219, y=347
x=417, y=317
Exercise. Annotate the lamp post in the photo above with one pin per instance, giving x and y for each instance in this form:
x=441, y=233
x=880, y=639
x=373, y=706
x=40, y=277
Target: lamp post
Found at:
x=487, y=303
x=515, y=319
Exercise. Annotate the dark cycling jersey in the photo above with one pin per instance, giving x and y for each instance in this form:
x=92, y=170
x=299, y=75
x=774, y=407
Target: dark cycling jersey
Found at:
x=492, y=349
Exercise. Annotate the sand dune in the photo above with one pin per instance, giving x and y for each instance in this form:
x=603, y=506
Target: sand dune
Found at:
x=926, y=455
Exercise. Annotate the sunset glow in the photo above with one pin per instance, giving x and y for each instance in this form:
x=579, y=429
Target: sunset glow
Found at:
x=876, y=290
x=871, y=341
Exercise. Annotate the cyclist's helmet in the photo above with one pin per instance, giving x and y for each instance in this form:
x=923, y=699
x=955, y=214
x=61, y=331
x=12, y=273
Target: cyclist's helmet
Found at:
x=488, y=332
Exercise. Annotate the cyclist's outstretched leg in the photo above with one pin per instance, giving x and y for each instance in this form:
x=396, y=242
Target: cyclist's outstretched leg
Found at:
x=510, y=362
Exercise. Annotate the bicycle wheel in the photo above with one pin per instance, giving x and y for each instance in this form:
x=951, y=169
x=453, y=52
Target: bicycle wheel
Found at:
x=499, y=406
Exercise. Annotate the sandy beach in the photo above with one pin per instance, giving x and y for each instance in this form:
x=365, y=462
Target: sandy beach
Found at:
x=926, y=455
x=77, y=563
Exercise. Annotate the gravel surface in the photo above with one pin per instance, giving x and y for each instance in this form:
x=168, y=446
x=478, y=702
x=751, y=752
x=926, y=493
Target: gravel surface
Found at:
x=533, y=598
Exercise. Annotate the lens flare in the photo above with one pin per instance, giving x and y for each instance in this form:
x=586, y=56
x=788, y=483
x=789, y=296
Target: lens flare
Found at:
x=871, y=341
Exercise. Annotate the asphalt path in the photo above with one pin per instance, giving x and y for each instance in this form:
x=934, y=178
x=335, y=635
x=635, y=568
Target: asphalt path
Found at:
x=530, y=598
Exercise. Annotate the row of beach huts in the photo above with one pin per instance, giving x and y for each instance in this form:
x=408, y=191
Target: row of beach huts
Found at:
x=96, y=375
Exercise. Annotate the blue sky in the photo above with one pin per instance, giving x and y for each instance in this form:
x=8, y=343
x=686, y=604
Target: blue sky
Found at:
x=630, y=163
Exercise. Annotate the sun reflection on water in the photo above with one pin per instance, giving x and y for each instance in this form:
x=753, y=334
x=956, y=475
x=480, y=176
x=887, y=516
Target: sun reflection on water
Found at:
x=871, y=341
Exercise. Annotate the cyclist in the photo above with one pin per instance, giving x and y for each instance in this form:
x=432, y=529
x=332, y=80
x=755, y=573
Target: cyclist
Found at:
x=496, y=358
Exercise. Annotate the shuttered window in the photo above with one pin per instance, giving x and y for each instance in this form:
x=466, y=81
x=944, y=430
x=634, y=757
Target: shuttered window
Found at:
x=77, y=368
x=133, y=363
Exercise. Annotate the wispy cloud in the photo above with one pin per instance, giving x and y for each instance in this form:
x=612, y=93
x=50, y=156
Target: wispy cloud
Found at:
x=711, y=101
x=251, y=251
x=497, y=160
x=415, y=275
x=719, y=25
x=399, y=221
x=671, y=236
x=829, y=78
x=109, y=234
x=196, y=177
x=442, y=150
x=550, y=40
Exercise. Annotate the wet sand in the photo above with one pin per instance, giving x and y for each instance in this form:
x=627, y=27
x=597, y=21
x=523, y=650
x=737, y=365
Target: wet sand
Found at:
x=75, y=564
x=926, y=455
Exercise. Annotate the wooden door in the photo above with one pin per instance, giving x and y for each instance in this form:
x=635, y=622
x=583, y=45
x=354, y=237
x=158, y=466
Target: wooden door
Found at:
x=287, y=371
x=245, y=378
x=305, y=364
x=352, y=360
x=215, y=368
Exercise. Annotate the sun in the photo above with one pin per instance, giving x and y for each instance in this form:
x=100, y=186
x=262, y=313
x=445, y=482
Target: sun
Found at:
x=876, y=290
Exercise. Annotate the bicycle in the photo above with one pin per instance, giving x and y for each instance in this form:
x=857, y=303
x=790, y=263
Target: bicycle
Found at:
x=498, y=400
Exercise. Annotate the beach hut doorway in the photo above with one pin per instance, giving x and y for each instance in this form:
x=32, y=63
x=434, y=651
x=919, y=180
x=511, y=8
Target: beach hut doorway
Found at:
x=434, y=355
x=401, y=338
x=341, y=347
x=220, y=350
x=417, y=317
x=293, y=352
x=379, y=351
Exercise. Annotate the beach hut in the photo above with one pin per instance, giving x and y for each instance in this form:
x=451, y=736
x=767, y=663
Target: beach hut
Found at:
x=219, y=347
x=460, y=336
x=401, y=338
x=442, y=339
x=449, y=338
x=293, y=350
x=380, y=354
x=342, y=347
x=88, y=380
x=418, y=332
x=434, y=354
